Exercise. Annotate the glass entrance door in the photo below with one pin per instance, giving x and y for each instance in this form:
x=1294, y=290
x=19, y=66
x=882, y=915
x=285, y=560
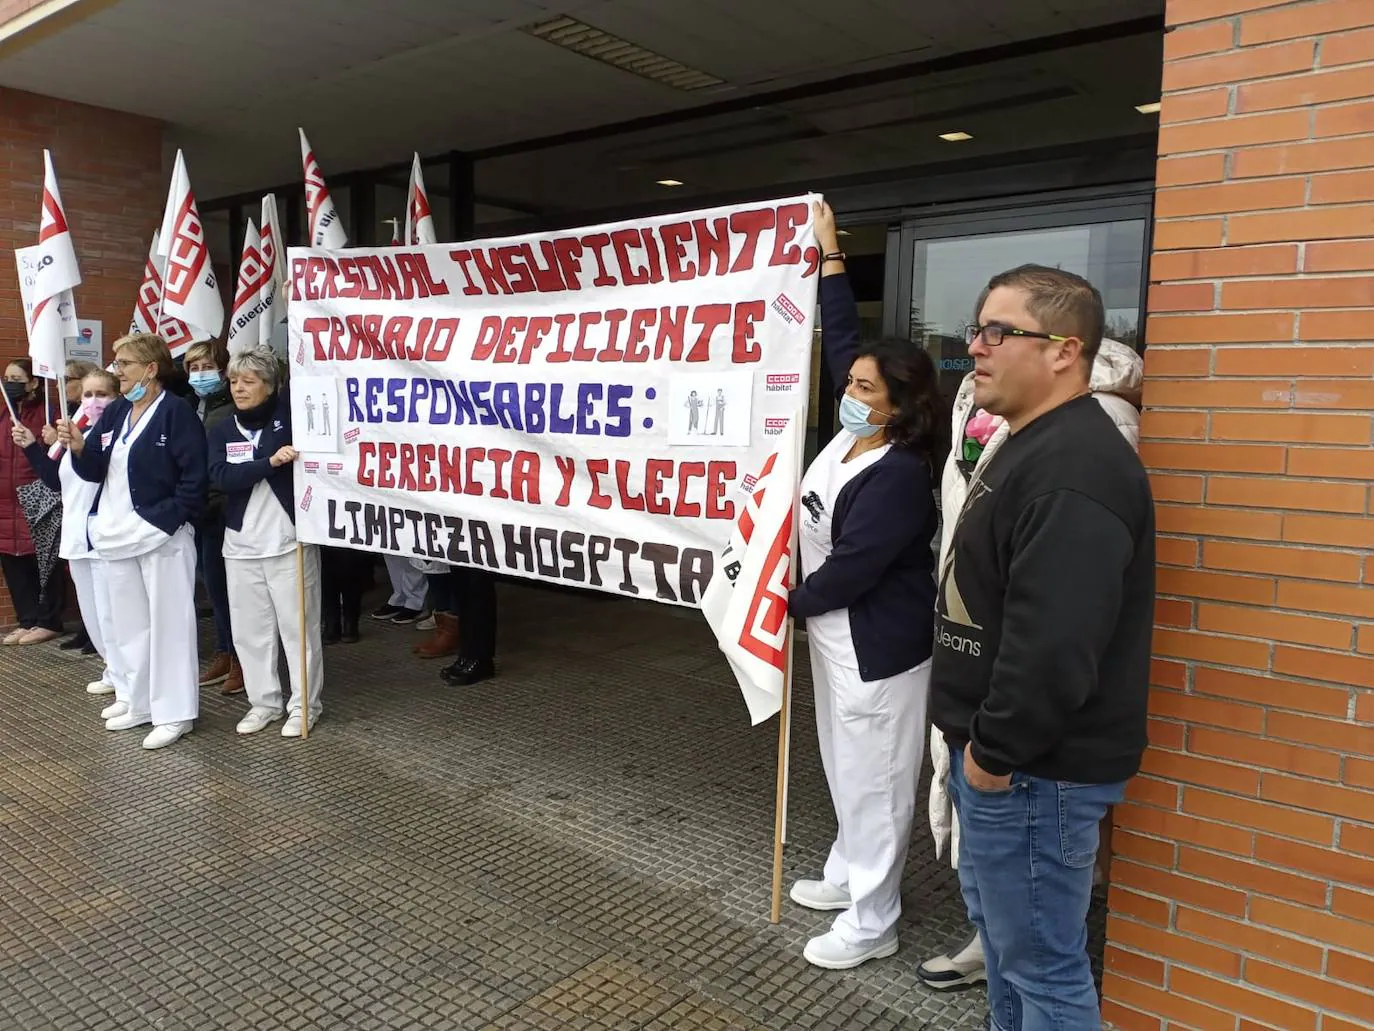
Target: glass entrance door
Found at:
x=948, y=275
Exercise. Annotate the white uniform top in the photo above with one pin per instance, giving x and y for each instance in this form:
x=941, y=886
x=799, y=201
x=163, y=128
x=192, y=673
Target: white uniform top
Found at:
x=267, y=530
x=117, y=531
x=820, y=487
x=77, y=497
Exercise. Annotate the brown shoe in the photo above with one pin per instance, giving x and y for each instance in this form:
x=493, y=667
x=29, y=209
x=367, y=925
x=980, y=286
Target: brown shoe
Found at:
x=216, y=671
x=444, y=640
x=233, y=683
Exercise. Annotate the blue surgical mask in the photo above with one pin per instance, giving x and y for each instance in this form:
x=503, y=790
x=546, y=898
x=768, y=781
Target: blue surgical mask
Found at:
x=136, y=393
x=205, y=383
x=854, y=417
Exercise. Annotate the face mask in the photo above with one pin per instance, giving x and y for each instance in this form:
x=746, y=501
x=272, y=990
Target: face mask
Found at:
x=854, y=417
x=135, y=395
x=92, y=407
x=204, y=383
x=15, y=391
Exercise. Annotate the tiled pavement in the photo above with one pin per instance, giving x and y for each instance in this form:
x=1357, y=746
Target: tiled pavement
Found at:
x=582, y=843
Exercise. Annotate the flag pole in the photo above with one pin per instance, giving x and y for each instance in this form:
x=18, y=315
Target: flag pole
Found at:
x=305, y=670
x=785, y=713
x=780, y=803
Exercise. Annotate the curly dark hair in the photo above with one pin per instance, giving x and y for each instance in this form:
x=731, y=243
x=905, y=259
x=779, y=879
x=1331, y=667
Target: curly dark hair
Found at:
x=919, y=419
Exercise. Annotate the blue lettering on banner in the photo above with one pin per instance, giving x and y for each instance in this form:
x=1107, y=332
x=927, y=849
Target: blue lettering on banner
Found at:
x=580, y=409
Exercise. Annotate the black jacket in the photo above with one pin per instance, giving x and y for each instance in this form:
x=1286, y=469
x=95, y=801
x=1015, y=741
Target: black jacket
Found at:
x=236, y=481
x=1046, y=605
x=882, y=567
x=217, y=407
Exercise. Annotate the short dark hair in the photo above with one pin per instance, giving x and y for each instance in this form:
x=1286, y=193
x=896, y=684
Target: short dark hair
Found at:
x=1064, y=303
x=918, y=418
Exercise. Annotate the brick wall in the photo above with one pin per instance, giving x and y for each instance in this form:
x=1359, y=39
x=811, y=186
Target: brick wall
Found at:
x=1243, y=885
x=110, y=171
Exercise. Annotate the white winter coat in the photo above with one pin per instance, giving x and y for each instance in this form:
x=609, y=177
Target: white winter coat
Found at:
x=1115, y=382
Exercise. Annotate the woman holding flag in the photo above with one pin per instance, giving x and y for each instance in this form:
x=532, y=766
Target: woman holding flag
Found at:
x=868, y=598
x=38, y=609
x=250, y=464
x=98, y=390
x=146, y=453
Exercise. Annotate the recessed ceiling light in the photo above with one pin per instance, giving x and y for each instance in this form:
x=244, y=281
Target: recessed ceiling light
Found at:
x=955, y=137
x=1148, y=109
x=670, y=182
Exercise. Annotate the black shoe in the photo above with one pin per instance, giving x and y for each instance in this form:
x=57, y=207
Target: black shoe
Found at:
x=404, y=617
x=466, y=672
x=77, y=642
x=330, y=632
x=387, y=611
x=349, y=632
x=88, y=649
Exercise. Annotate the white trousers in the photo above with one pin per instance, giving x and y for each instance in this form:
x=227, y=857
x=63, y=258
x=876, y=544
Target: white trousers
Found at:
x=872, y=737
x=408, y=584
x=93, y=601
x=264, y=603
x=153, y=629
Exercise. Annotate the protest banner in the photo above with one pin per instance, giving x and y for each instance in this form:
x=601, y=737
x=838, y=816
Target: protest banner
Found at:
x=47, y=272
x=588, y=408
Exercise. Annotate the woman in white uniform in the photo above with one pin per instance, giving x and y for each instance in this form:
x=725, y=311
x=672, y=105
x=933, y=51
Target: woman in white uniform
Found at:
x=147, y=454
x=250, y=463
x=868, y=598
x=96, y=390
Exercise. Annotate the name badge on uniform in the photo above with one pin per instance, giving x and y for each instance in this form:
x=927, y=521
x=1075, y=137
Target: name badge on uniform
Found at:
x=106, y=439
x=238, y=452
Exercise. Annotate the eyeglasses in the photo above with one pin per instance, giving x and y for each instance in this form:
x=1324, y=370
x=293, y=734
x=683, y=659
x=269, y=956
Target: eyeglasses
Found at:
x=993, y=334
x=128, y=363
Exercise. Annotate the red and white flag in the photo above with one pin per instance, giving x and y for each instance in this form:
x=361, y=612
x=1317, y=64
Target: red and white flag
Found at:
x=148, y=316
x=47, y=273
x=326, y=230
x=272, y=327
x=252, y=295
x=190, y=292
x=745, y=603
x=82, y=424
x=419, y=218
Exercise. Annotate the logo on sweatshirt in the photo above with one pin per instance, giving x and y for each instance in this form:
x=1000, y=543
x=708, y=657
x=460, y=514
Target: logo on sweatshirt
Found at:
x=953, y=610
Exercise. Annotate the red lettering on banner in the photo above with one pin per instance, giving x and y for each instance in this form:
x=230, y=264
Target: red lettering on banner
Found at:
x=611, y=353
x=568, y=253
x=581, y=352
x=752, y=225
x=628, y=501
x=567, y=469
x=623, y=240
x=656, y=471
x=710, y=317
x=672, y=331
x=713, y=245
x=686, y=472
x=499, y=457
x=719, y=476
x=654, y=256
x=790, y=218
x=675, y=236
x=636, y=350
x=425, y=459
x=747, y=313
x=463, y=258
x=597, y=468
x=561, y=353
x=540, y=327
x=472, y=456
x=596, y=243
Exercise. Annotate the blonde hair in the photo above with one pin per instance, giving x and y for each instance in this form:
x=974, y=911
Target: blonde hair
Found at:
x=110, y=380
x=211, y=349
x=147, y=348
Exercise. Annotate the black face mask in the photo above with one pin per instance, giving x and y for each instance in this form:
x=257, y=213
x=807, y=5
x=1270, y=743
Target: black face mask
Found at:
x=256, y=418
x=16, y=391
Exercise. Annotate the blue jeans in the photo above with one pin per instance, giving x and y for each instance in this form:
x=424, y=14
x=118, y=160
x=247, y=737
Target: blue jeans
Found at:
x=210, y=565
x=1026, y=859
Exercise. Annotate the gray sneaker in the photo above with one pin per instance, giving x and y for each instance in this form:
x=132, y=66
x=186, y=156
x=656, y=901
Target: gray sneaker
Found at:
x=960, y=967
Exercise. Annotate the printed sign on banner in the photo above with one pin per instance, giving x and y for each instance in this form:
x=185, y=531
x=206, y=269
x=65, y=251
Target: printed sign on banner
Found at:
x=510, y=404
x=315, y=414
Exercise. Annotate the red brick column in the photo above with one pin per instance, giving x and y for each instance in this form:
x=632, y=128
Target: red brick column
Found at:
x=1241, y=893
x=110, y=170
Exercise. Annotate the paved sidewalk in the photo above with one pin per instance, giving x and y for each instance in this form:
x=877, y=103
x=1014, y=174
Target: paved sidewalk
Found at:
x=584, y=842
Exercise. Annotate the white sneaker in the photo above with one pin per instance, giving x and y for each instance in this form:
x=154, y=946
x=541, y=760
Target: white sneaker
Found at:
x=99, y=687
x=127, y=721
x=426, y=624
x=292, y=727
x=166, y=734
x=820, y=895
x=831, y=952
x=259, y=717
x=960, y=967
x=114, y=709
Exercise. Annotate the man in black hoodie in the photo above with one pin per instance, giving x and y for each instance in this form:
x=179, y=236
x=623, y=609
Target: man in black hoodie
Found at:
x=1042, y=645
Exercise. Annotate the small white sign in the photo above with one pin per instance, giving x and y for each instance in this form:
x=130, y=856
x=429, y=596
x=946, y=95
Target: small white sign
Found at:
x=315, y=414
x=710, y=409
x=89, y=345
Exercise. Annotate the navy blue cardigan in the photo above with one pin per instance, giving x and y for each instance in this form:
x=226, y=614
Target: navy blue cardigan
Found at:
x=166, y=463
x=237, y=480
x=882, y=568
